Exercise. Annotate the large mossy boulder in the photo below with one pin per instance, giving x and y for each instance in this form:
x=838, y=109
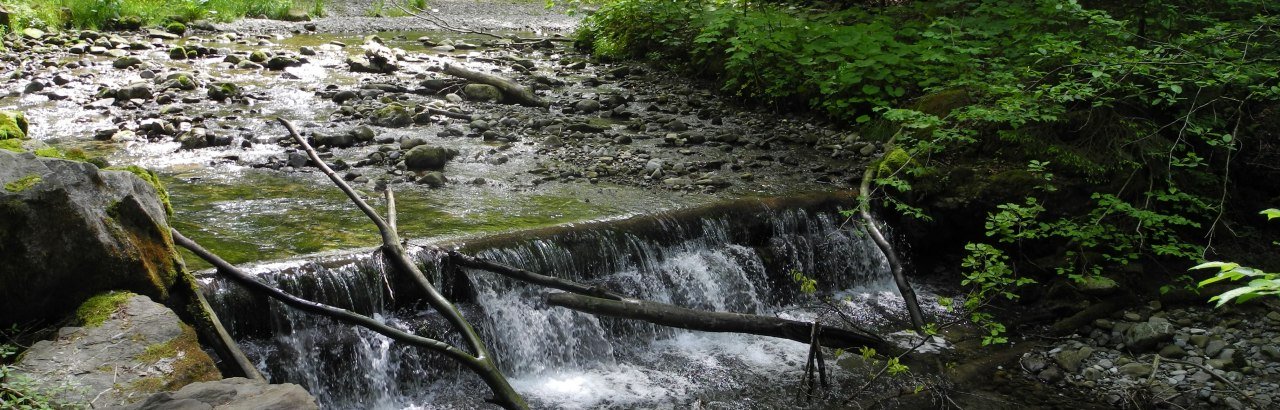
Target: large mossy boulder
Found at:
x=69, y=231
x=124, y=348
x=428, y=158
x=13, y=125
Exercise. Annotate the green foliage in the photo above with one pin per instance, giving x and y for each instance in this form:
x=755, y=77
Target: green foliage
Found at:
x=988, y=275
x=131, y=14
x=807, y=284
x=1260, y=283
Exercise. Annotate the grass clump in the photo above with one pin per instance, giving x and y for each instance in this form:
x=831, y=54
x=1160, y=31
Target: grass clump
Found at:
x=98, y=309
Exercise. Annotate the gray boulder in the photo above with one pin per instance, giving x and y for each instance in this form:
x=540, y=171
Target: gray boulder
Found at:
x=482, y=92
x=69, y=231
x=1146, y=335
x=428, y=158
x=233, y=393
x=126, y=348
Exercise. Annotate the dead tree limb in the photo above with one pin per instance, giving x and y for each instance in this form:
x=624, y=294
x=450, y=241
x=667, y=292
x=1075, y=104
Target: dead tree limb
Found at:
x=504, y=394
x=895, y=264
x=516, y=92
x=685, y=318
x=522, y=275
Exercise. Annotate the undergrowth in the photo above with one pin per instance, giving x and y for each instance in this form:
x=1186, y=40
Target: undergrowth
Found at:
x=1122, y=125
x=133, y=14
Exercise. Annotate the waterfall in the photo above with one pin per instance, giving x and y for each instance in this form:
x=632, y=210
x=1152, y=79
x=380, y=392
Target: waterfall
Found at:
x=559, y=358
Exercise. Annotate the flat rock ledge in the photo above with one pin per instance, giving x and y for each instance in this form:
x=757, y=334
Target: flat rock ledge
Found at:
x=139, y=348
x=233, y=393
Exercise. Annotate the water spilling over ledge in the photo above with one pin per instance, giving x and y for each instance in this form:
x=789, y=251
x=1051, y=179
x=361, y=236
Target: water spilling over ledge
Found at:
x=736, y=256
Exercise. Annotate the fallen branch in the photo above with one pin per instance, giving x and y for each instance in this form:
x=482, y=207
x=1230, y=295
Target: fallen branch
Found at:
x=516, y=92
x=522, y=275
x=486, y=368
x=895, y=264
x=725, y=322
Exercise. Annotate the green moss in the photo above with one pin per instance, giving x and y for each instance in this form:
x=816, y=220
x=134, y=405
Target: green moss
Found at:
x=13, y=125
x=151, y=178
x=14, y=145
x=192, y=364
x=23, y=183
x=892, y=161
x=176, y=28
x=100, y=308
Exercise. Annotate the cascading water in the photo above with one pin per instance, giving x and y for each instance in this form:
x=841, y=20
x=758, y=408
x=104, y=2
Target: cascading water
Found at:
x=559, y=358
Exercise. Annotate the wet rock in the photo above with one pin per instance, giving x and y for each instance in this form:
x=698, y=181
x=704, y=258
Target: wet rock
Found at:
x=281, y=62
x=126, y=62
x=1050, y=375
x=587, y=106
x=344, y=96
x=179, y=81
x=33, y=87
x=33, y=33
x=129, y=92
x=306, y=51
x=336, y=140
x=233, y=393
x=1136, y=370
x=1146, y=335
x=153, y=33
x=482, y=93
x=1173, y=351
x=178, y=53
x=112, y=234
x=393, y=116
x=297, y=159
x=1214, y=347
x=409, y=143
x=259, y=56
x=363, y=133
x=426, y=157
x=453, y=98
x=223, y=91
x=1033, y=364
x=198, y=138
x=433, y=179
x=1070, y=359
x=150, y=350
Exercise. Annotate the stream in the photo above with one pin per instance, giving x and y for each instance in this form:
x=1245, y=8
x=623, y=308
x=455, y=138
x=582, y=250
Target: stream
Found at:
x=551, y=190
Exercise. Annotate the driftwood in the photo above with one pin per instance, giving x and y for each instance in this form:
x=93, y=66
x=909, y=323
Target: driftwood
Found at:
x=684, y=318
x=515, y=92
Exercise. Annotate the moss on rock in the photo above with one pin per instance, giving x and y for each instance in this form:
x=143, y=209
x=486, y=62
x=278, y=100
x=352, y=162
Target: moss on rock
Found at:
x=13, y=125
x=154, y=180
x=99, y=308
x=192, y=364
x=22, y=184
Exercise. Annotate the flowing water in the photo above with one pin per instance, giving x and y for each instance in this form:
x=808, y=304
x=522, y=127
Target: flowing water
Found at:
x=559, y=358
